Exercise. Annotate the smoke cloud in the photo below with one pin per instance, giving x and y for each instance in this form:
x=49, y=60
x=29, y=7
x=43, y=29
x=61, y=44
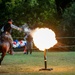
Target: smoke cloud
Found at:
x=26, y=28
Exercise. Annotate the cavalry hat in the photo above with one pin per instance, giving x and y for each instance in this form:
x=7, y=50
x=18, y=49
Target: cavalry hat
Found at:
x=10, y=20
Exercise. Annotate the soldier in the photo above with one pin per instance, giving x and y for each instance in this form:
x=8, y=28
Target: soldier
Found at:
x=6, y=33
x=29, y=44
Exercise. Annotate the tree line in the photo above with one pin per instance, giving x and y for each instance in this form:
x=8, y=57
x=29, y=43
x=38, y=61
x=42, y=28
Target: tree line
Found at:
x=55, y=14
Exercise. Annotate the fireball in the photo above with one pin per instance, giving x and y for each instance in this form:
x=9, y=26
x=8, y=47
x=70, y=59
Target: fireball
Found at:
x=44, y=38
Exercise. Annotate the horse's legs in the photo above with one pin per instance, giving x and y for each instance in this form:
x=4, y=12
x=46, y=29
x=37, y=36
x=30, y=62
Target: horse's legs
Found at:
x=2, y=56
x=11, y=48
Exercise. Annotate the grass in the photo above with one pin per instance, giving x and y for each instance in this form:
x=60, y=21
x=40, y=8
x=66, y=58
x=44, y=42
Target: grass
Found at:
x=63, y=63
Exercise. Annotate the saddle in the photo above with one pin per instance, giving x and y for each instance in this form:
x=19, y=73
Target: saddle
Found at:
x=5, y=37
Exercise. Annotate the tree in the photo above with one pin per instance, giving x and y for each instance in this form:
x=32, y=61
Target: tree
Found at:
x=67, y=25
x=62, y=5
x=69, y=20
x=34, y=12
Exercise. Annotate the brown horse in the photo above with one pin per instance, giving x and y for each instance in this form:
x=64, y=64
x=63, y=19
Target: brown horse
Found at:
x=4, y=48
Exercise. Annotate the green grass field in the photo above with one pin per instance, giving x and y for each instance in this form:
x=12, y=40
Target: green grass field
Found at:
x=63, y=63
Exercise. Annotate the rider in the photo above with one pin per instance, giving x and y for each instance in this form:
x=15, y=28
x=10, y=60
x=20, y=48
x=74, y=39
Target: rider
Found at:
x=6, y=33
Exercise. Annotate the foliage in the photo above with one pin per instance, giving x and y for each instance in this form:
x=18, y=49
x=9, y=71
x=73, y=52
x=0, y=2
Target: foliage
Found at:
x=69, y=20
x=34, y=12
x=38, y=13
x=68, y=25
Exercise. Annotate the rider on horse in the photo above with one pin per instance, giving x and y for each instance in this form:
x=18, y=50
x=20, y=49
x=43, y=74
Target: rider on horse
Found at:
x=6, y=33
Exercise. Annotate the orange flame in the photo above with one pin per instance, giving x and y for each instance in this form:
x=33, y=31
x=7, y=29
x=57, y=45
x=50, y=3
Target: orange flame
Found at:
x=44, y=38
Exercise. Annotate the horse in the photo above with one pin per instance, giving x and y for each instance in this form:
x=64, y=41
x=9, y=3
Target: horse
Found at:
x=4, y=48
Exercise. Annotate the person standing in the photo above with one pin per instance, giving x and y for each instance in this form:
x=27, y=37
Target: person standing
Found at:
x=6, y=33
x=29, y=44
